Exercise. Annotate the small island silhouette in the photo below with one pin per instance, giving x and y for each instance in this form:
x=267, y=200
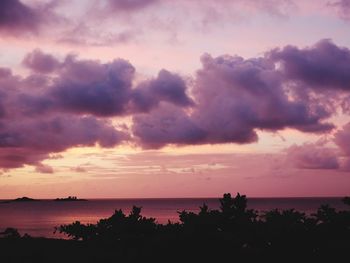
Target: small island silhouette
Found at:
x=69, y=199
x=23, y=199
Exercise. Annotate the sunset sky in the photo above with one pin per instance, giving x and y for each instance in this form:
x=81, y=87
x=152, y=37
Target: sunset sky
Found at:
x=174, y=98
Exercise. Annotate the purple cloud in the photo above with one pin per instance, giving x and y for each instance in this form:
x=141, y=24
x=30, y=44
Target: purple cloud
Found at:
x=324, y=65
x=91, y=87
x=248, y=94
x=29, y=141
x=40, y=62
x=233, y=98
x=16, y=16
x=28, y=138
x=59, y=105
x=312, y=156
x=342, y=140
x=68, y=103
x=343, y=8
x=318, y=156
x=167, y=124
x=166, y=87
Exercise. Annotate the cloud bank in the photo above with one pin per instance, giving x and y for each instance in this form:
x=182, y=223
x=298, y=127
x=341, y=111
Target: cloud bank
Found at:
x=90, y=25
x=234, y=97
x=73, y=102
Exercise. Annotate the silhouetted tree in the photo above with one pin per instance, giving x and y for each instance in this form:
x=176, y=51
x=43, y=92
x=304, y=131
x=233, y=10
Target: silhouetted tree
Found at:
x=117, y=227
x=10, y=233
x=346, y=200
x=232, y=231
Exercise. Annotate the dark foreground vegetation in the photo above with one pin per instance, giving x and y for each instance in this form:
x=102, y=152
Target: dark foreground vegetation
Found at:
x=231, y=234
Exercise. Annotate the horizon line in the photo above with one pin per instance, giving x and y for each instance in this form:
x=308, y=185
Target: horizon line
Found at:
x=194, y=197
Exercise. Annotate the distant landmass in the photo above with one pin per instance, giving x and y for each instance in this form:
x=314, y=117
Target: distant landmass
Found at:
x=24, y=199
x=27, y=199
x=69, y=199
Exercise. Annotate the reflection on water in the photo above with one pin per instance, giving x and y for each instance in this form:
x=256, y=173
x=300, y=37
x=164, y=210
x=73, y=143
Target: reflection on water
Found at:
x=40, y=218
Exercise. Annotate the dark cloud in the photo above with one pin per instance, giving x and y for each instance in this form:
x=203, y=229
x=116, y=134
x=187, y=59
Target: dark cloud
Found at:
x=29, y=141
x=16, y=16
x=31, y=128
x=324, y=65
x=23, y=19
x=234, y=98
x=238, y=94
x=312, y=156
x=167, y=124
x=58, y=133
x=166, y=87
x=18, y=157
x=61, y=105
x=91, y=87
x=68, y=103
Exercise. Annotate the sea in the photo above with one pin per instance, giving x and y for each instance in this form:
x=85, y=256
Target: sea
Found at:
x=40, y=218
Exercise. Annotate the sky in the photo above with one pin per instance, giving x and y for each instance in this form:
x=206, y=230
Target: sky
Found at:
x=184, y=98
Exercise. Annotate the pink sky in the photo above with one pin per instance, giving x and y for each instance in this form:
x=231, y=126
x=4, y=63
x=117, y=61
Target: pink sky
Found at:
x=160, y=98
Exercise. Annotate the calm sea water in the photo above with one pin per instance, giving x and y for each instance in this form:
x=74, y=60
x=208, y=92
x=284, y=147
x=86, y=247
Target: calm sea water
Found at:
x=40, y=218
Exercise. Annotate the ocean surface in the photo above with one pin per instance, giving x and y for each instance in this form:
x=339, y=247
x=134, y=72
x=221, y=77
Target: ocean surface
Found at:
x=39, y=218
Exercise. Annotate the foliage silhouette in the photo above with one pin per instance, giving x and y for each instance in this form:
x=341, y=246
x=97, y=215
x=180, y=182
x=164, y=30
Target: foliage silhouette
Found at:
x=117, y=227
x=10, y=233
